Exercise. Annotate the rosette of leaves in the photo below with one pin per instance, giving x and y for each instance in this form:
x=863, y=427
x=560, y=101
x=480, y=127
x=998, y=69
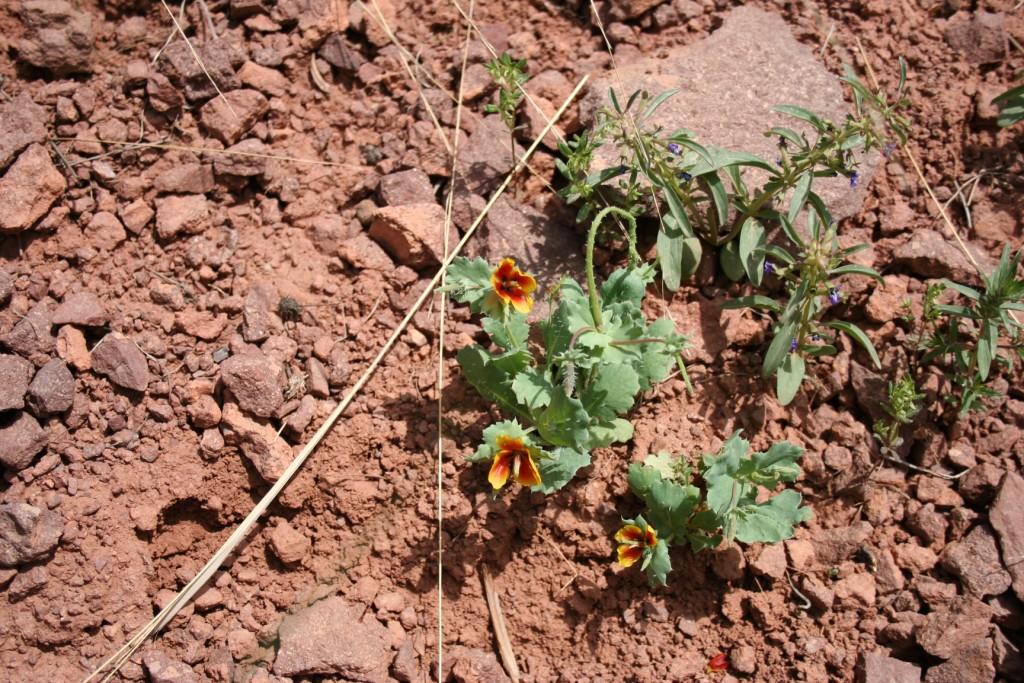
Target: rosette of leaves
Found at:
x=809, y=279
x=596, y=352
x=970, y=339
x=721, y=505
x=702, y=194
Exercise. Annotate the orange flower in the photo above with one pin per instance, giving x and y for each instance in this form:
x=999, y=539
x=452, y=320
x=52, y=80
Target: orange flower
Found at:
x=718, y=663
x=633, y=540
x=515, y=459
x=513, y=286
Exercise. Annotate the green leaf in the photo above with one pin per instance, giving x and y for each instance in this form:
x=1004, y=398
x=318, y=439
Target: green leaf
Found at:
x=771, y=521
x=532, y=389
x=799, y=113
x=778, y=463
x=490, y=381
x=791, y=233
x=512, y=361
x=751, y=252
x=778, y=349
x=988, y=342
x=489, y=446
x=790, y=375
x=670, y=253
x=626, y=285
x=558, y=470
x=659, y=564
x=657, y=102
x=729, y=259
x=564, y=422
x=856, y=269
x=605, y=433
x=469, y=282
x=612, y=391
x=510, y=333
x=857, y=334
x=754, y=301
x=719, y=195
x=969, y=292
x=803, y=186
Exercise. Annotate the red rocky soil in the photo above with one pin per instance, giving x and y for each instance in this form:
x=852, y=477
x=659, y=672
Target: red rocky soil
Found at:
x=151, y=387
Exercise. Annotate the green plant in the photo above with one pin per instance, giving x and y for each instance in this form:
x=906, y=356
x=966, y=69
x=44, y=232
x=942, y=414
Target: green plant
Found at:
x=1011, y=106
x=509, y=74
x=809, y=280
x=968, y=342
x=705, y=191
x=900, y=408
x=723, y=508
x=596, y=353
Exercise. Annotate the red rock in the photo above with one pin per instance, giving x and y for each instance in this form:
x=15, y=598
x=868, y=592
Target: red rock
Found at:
x=6, y=287
x=204, y=412
x=856, y=590
x=468, y=665
x=71, y=348
x=929, y=254
x=363, y=253
x=187, y=213
x=57, y=36
x=946, y=633
x=243, y=159
x=976, y=561
x=407, y=187
x=181, y=68
x=22, y=123
x=29, y=188
x=876, y=667
x=1007, y=518
x=200, y=324
x=31, y=337
x=163, y=96
x=930, y=525
x=771, y=561
x=260, y=443
x=121, y=361
x=980, y=484
x=290, y=546
x=333, y=637
x=27, y=533
x=887, y=572
x=832, y=546
x=105, y=231
x=338, y=53
x=486, y=158
x=228, y=118
x=84, y=309
x=186, y=178
x=255, y=381
x=163, y=669
x=53, y=389
x=980, y=38
x=28, y=582
x=22, y=439
x=270, y=82
x=15, y=374
x=136, y=216
x=242, y=643
x=412, y=234
x=259, y=317
x=317, y=384
x=801, y=554
x=297, y=421
x=973, y=663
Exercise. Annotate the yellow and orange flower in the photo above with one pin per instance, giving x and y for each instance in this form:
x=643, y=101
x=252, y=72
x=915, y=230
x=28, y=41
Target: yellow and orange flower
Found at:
x=513, y=459
x=633, y=540
x=513, y=286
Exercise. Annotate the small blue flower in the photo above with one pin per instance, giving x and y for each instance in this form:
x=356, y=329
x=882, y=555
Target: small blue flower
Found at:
x=815, y=337
x=685, y=177
x=854, y=177
x=792, y=345
x=769, y=267
x=834, y=296
x=890, y=147
x=778, y=161
x=674, y=147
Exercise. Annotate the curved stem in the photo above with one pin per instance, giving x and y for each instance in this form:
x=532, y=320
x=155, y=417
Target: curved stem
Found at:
x=595, y=302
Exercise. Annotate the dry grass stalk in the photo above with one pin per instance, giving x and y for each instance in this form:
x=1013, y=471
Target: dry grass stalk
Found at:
x=508, y=655
x=199, y=61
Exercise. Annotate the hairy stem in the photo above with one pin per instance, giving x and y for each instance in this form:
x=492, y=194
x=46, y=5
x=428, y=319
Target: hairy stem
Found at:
x=595, y=301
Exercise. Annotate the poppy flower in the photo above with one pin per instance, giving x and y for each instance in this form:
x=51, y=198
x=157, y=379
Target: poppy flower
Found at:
x=718, y=663
x=513, y=459
x=513, y=286
x=633, y=541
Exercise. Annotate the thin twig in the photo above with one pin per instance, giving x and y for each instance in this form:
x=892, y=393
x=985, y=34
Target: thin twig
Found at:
x=925, y=470
x=449, y=207
x=117, y=660
x=198, y=60
x=508, y=655
x=170, y=36
x=572, y=567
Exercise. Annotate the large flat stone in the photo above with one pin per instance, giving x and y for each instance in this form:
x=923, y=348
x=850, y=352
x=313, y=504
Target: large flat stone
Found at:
x=727, y=87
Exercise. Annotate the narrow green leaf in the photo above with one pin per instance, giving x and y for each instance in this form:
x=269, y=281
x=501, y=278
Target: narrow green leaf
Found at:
x=789, y=377
x=858, y=336
x=751, y=250
x=729, y=259
x=657, y=102
x=803, y=186
x=754, y=301
x=988, y=342
x=799, y=113
x=778, y=349
x=856, y=269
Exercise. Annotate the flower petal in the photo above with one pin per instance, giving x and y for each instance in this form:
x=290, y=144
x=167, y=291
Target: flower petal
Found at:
x=630, y=554
x=527, y=473
x=652, y=537
x=500, y=469
x=630, y=533
x=521, y=302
